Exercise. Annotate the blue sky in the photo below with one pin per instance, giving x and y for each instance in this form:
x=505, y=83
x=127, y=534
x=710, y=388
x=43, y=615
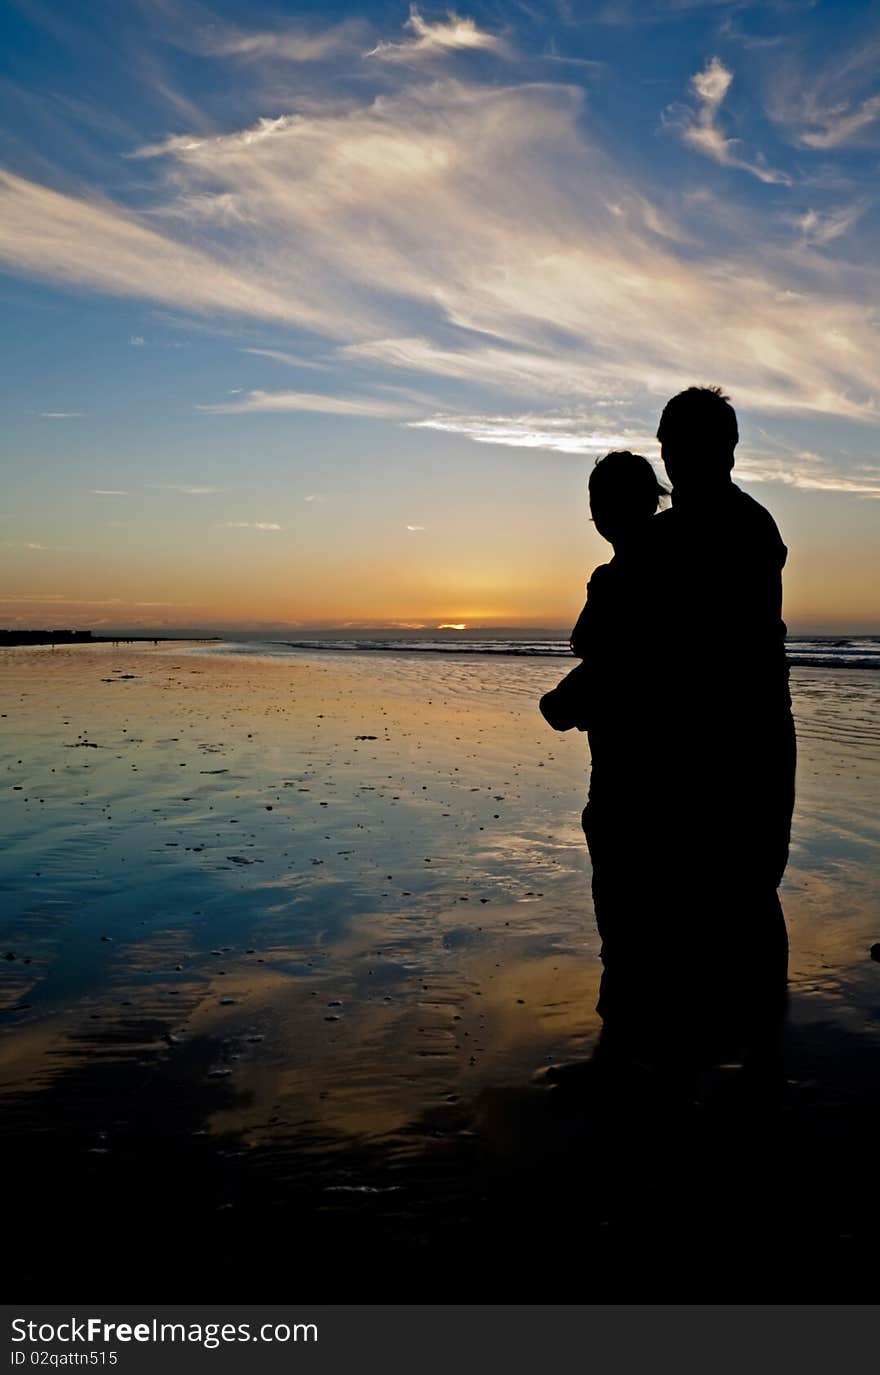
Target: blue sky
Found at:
x=322, y=316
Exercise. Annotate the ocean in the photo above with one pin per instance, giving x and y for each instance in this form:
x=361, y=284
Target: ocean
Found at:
x=819, y=651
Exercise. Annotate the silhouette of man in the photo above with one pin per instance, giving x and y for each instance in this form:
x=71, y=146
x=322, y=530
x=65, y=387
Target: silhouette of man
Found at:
x=726, y=692
x=693, y=753
x=728, y=749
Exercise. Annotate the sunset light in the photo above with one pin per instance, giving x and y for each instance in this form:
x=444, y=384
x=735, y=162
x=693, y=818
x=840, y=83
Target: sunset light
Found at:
x=360, y=960
x=270, y=298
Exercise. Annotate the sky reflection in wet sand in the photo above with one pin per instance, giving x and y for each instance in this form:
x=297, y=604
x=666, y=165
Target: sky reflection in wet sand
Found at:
x=214, y=885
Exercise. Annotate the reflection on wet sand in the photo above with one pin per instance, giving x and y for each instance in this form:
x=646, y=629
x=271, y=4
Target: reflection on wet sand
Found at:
x=273, y=980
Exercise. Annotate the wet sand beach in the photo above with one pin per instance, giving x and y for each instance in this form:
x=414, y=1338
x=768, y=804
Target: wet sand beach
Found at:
x=288, y=943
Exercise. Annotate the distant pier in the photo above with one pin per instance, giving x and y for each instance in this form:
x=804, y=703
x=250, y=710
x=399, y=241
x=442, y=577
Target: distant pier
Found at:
x=9, y=638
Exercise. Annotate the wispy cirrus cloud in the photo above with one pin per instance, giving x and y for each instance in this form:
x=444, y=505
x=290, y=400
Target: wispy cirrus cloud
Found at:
x=844, y=124
x=558, y=434
x=266, y=402
x=88, y=242
x=579, y=434
x=821, y=227
x=109, y=492
x=288, y=43
x=833, y=105
x=809, y=471
x=62, y=415
x=701, y=129
x=440, y=38
x=266, y=526
x=291, y=360
x=474, y=234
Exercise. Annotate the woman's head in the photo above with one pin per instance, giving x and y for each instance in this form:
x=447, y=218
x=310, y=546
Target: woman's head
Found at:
x=624, y=493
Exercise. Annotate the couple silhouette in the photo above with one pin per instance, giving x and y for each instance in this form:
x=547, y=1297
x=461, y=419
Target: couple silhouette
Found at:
x=683, y=692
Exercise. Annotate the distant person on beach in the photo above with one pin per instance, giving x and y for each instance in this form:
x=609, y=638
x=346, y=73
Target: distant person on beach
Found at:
x=684, y=693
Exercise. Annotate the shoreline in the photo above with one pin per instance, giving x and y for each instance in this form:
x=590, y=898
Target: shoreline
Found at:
x=488, y=648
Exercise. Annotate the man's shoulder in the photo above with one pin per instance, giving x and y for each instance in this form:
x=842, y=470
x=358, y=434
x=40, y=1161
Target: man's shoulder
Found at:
x=737, y=516
x=663, y=532
x=757, y=519
x=751, y=509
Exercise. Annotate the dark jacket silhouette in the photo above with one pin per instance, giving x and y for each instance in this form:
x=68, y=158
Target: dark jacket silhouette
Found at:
x=683, y=691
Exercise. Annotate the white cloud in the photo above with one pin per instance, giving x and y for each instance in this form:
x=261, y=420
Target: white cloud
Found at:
x=293, y=360
x=137, y=341
x=314, y=497
x=415, y=528
x=85, y=242
x=701, y=128
x=289, y=44
x=812, y=472
x=565, y=435
x=108, y=492
x=490, y=364
x=834, y=105
x=456, y=34
x=268, y=401
x=841, y=125
x=265, y=525
x=486, y=215
x=823, y=227
x=62, y=415
x=580, y=435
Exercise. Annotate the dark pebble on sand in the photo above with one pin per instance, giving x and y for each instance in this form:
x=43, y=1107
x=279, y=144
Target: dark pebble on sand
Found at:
x=875, y=951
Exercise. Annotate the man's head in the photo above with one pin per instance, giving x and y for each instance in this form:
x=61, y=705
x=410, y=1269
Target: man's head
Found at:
x=624, y=493
x=698, y=434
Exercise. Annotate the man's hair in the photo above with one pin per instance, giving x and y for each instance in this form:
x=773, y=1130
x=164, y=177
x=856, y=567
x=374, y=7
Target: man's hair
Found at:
x=622, y=473
x=700, y=418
